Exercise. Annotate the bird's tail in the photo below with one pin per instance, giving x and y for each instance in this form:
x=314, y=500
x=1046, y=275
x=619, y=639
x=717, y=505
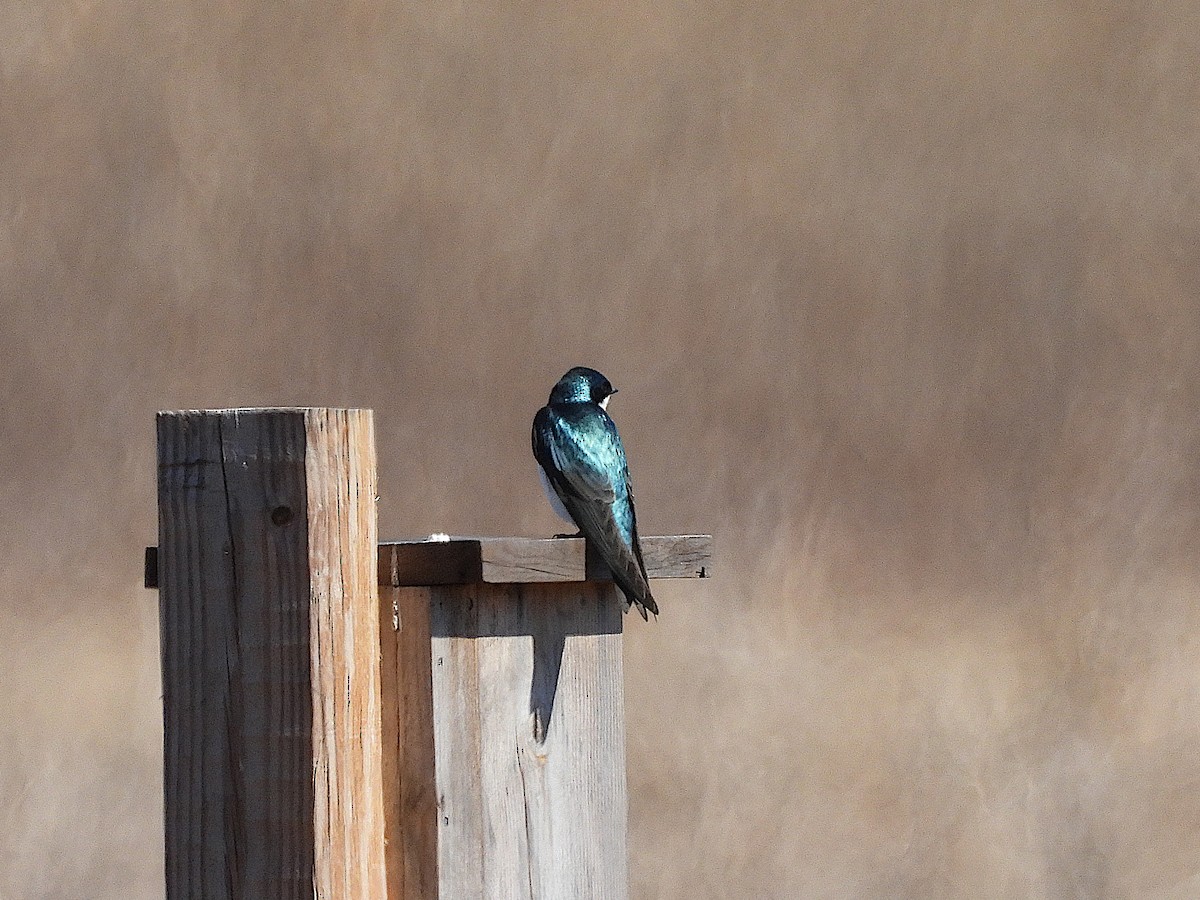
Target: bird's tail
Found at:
x=631, y=579
x=644, y=603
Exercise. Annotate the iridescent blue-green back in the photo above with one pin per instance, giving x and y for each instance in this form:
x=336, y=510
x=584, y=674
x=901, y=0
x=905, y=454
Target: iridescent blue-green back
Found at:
x=578, y=448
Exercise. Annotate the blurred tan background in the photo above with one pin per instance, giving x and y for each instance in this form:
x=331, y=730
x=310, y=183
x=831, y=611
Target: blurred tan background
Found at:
x=903, y=305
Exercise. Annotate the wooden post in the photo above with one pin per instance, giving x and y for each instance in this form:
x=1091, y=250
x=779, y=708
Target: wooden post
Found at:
x=459, y=733
x=410, y=790
x=504, y=715
x=270, y=655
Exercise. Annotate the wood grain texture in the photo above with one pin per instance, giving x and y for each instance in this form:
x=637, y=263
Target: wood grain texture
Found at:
x=530, y=560
x=347, y=741
x=207, y=810
x=517, y=560
x=268, y=604
x=410, y=791
x=665, y=556
x=529, y=741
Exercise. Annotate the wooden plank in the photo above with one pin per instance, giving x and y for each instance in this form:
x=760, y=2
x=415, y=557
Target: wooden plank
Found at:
x=531, y=560
x=529, y=741
x=665, y=556
x=410, y=791
x=344, y=607
x=197, y=621
x=507, y=560
x=522, y=560
x=270, y=642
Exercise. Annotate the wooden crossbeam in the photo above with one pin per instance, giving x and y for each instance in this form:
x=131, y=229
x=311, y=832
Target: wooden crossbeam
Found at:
x=512, y=560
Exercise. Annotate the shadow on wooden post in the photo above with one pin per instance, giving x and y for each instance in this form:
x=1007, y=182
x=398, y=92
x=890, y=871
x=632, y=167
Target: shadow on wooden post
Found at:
x=410, y=792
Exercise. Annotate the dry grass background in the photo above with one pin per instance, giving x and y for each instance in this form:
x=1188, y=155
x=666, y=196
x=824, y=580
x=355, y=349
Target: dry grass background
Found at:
x=903, y=303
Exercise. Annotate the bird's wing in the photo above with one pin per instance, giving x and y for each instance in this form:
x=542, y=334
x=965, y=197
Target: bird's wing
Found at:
x=574, y=467
x=577, y=469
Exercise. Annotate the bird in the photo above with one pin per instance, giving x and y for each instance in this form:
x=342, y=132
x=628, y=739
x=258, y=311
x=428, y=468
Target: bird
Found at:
x=586, y=477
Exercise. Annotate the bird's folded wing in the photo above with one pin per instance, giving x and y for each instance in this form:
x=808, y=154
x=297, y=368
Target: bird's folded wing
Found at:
x=596, y=520
x=577, y=466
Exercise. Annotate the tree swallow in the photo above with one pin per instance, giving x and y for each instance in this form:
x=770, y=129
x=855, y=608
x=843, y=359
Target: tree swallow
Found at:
x=586, y=477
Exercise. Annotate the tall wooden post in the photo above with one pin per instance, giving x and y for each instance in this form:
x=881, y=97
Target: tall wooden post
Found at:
x=270, y=655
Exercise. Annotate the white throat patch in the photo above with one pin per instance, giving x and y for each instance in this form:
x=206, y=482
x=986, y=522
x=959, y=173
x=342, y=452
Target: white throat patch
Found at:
x=604, y=403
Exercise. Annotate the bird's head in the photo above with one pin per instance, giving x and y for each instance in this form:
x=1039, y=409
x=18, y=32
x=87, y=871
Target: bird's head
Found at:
x=582, y=385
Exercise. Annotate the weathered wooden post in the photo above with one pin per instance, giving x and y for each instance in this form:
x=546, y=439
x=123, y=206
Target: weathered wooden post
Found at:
x=270, y=655
x=503, y=692
x=401, y=721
